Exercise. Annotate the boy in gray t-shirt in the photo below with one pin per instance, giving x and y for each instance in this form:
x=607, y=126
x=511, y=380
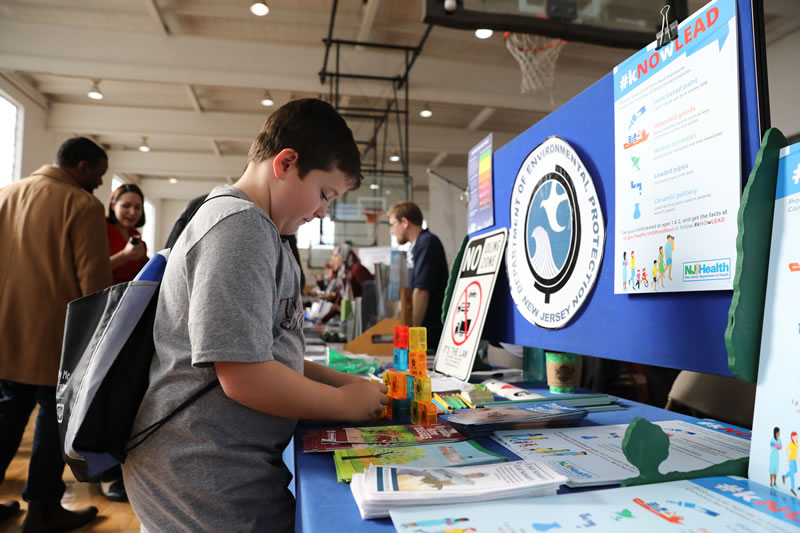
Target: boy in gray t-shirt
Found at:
x=230, y=309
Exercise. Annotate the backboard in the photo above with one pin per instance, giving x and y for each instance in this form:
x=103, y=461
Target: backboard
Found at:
x=617, y=23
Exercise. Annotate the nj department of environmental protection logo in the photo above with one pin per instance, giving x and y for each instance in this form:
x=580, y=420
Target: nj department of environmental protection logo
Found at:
x=556, y=237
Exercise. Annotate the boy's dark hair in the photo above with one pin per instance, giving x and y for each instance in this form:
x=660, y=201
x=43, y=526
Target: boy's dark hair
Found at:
x=119, y=191
x=407, y=210
x=78, y=149
x=319, y=135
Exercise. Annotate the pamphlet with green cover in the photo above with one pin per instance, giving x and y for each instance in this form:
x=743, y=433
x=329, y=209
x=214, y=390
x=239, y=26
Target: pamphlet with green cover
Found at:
x=349, y=462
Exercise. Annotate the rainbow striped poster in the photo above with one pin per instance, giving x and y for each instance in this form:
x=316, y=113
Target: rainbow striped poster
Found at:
x=480, y=213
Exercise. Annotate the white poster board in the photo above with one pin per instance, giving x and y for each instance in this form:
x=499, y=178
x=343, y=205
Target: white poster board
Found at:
x=778, y=389
x=447, y=216
x=677, y=157
x=470, y=301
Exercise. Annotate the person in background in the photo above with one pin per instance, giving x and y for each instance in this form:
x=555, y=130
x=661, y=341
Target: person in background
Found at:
x=125, y=214
x=350, y=277
x=53, y=250
x=427, y=268
x=229, y=310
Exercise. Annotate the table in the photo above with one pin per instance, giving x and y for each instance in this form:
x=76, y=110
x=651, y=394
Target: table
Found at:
x=324, y=505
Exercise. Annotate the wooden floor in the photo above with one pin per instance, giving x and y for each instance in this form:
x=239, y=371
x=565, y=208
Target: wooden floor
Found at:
x=113, y=516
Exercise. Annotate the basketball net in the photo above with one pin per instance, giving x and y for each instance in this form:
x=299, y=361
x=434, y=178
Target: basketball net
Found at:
x=372, y=214
x=537, y=56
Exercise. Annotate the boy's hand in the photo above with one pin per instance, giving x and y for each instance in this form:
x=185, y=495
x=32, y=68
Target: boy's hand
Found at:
x=363, y=401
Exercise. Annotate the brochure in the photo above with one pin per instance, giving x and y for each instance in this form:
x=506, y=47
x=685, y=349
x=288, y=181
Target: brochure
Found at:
x=485, y=420
x=349, y=462
x=776, y=421
x=330, y=439
x=699, y=505
x=592, y=455
x=380, y=488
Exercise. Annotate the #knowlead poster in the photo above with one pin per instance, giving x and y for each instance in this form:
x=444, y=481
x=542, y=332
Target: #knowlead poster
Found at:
x=678, y=166
x=776, y=422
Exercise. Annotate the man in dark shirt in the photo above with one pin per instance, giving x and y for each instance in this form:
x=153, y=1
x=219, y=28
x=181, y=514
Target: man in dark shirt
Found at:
x=427, y=268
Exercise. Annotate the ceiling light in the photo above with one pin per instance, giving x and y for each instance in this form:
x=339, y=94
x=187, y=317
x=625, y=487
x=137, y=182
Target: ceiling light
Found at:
x=374, y=186
x=426, y=112
x=395, y=157
x=94, y=91
x=259, y=9
x=144, y=146
x=173, y=181
x=267, y=100
x=483, y=33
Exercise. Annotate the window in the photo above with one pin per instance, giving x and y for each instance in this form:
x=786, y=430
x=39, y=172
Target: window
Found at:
x=9, y=154
x=316, y=234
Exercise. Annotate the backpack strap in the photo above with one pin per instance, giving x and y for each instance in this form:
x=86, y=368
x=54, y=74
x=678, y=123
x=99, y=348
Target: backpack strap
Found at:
x=147, y=432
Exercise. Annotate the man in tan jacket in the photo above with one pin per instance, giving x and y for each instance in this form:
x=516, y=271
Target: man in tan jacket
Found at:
x=53, y=249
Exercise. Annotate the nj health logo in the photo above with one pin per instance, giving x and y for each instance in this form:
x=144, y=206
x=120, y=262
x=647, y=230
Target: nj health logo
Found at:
x=556, y=235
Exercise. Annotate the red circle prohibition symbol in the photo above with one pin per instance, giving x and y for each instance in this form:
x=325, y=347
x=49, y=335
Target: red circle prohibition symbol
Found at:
x=467, y=329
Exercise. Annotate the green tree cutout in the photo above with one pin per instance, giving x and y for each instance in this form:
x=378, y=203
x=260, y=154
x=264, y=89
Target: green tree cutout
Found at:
x=646, y=446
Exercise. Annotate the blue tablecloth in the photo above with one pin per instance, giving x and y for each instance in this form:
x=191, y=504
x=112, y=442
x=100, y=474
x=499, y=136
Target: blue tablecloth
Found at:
x=324, y=505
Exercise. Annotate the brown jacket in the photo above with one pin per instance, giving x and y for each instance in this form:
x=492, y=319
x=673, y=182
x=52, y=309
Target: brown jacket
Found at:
x=53, y=249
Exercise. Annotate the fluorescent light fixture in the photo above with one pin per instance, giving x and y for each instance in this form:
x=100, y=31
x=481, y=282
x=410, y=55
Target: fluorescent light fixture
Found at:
x=267, y=100
x=144, y=147
x=94, y=91
x=259, y=9
x=483, y=33
x=173, y=180
x=426, y=111
x=395, y=157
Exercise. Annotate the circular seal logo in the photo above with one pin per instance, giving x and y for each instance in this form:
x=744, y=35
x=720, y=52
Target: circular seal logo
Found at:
x=556, y=237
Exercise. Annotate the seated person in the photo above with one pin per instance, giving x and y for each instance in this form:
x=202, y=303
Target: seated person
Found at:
x=350, y=276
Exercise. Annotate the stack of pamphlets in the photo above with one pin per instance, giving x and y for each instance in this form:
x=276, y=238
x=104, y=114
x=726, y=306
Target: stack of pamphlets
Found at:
x=466, y=453
x=331, y=439
x=713, y=504
x=592, y=455
x=486, y=420
x=382, y=488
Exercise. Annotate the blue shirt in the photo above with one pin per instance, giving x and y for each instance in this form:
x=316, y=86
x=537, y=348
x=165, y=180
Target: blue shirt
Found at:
x=428, y=270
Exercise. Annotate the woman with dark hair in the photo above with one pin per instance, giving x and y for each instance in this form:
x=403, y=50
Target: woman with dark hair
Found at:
x=126, y=213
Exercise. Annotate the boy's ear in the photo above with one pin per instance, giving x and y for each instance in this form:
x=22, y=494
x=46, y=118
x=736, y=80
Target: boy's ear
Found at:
x=284, y=162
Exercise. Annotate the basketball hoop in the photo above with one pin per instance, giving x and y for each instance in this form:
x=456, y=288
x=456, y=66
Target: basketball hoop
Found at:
x=537, y=56
x=372, y=214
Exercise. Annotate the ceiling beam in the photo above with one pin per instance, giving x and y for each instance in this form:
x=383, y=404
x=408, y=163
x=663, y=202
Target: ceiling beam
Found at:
x=479, y=119
x=193, y=99
x=215, y=148
x=242, y=127
x=152, y=10
x=26, y=88
x=436, y=161
x=278, y=65
x=368, y=19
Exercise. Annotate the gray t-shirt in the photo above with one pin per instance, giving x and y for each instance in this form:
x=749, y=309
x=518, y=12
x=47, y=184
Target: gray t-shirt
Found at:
x=231, y=292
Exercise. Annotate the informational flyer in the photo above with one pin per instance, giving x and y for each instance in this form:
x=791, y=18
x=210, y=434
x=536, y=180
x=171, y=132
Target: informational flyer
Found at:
x=469, y=303
x=677, y=149
x=776, y=421
x=712, y=504
x=480, y=208
x=592, y=455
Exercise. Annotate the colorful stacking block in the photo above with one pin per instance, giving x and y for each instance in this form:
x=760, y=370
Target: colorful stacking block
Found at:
x=418, y=339
x=422, y=389
x=387, y=381
x=387, y=411
x=401, y=411
x=430, y=415
x=399, y=385
x=400, y=337
x=410, y=386
x=400, y=361
x=415, y=413
x=418, y=364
